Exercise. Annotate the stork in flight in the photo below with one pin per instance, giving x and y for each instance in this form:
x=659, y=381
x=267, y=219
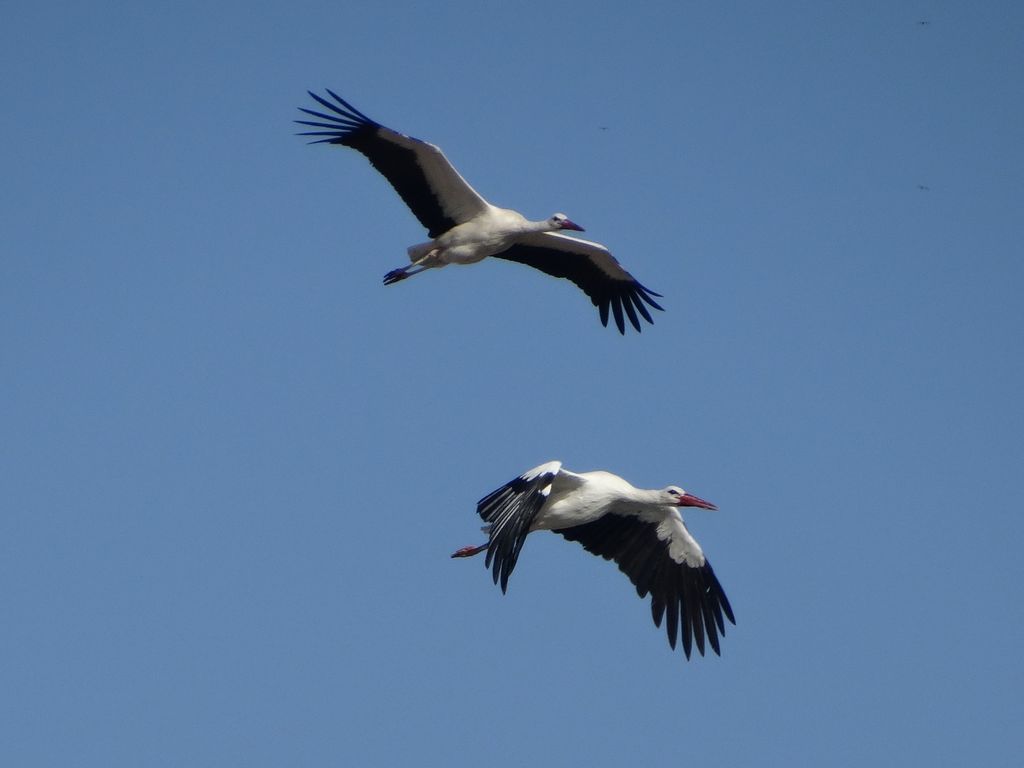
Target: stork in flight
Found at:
x=641, y=530
x=464, y=228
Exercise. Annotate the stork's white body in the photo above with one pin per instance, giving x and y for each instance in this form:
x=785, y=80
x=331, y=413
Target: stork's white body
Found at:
x=491, y=231
x=578, y=498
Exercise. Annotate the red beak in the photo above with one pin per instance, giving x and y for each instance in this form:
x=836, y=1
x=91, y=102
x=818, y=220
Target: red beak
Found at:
x=572, y=225
x=689, y=500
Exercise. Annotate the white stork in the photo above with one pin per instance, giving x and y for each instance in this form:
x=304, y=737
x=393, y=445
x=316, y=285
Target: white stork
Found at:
x=464, y=228
x=641, y=530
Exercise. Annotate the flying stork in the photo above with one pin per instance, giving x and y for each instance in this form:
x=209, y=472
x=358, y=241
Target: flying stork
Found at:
x=464, y=228
x=641, y=530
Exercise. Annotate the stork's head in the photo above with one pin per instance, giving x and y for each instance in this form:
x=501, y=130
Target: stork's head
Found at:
x=676, y=496
x=561, y=221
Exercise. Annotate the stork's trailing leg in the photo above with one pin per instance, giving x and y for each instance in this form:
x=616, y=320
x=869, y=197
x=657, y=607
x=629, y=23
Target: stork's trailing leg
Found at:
x=469, y=551
x=420, y=264
x=395, y=275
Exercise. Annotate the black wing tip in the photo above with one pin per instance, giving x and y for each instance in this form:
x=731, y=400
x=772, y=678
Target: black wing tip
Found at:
x=318, y=141
x=350, y=108
x=345, y=120
x=643, y=292
x=610, y=305
x=333, y=135
x=717, y=594
x=625, y=304
x=617, y=312
x=501, y=563
x=700, y=602
x=706, y=604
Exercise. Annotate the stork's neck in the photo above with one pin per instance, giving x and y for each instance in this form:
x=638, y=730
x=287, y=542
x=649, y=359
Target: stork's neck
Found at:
x=505, y=220
x=648, y=498
x=641, y=497
x=544, y=225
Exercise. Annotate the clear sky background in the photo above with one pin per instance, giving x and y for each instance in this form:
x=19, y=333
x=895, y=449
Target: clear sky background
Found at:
x=233, y=464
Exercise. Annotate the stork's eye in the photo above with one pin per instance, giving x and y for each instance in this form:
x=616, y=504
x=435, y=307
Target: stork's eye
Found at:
x=673, y=491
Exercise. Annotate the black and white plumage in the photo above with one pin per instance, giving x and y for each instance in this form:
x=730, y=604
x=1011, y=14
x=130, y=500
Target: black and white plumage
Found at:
x=641, y=530
x=464, y=228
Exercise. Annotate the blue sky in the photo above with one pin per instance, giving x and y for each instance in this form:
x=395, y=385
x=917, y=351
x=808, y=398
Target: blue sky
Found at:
x=234, y=464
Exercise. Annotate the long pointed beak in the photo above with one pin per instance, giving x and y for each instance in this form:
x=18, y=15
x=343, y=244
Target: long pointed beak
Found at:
x=689, y=500
x=572, y=225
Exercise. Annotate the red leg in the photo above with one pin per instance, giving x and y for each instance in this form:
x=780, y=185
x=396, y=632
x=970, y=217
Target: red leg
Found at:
x=469, y=551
